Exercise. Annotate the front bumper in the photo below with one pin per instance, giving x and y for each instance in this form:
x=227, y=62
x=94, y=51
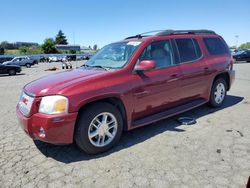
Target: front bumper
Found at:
x=59, y=129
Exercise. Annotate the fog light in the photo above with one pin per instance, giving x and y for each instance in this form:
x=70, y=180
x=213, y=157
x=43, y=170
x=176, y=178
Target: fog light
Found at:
x=41, y=133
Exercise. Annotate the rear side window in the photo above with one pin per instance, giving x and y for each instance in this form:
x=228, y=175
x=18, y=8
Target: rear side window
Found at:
x=188, y=48
x=215, y=46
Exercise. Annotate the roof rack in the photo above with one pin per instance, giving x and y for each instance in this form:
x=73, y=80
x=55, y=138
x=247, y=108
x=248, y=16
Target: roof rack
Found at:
x=139, y=36
x=173, y=32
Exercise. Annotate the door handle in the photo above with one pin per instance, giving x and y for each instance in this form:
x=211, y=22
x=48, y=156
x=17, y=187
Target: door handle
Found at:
x=206, y=69
x=141, y=94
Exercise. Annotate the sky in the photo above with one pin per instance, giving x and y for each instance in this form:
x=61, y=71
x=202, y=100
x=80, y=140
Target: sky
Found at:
x=104, y=21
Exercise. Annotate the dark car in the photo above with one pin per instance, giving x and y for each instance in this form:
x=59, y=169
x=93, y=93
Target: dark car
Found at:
x=243, y=56
x=126, y=85
x=10, y=69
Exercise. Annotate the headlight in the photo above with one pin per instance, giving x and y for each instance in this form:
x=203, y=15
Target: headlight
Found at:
x=54, y=104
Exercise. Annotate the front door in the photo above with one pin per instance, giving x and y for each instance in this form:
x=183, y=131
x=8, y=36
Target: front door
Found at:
x=160, y=88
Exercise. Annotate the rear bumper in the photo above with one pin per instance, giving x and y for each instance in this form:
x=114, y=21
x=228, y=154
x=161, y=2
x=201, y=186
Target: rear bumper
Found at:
x=59, y=129
x=232, y=77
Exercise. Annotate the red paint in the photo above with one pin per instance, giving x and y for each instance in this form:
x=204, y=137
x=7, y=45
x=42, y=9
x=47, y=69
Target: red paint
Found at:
x=141, y=94
x=145, y=65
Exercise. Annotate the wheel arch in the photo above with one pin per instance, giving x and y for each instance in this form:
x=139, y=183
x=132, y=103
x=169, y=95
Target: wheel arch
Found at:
x=225, y=76
x=115, y=101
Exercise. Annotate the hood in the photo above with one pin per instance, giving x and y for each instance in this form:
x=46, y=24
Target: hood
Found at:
x=55, y=83
x=6, y=62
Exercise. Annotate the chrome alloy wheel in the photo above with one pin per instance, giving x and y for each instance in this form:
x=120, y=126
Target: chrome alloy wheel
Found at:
x=219, y=93
x=102, y=129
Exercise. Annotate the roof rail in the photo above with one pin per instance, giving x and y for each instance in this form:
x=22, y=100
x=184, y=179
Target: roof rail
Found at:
x=139, y=36
x=173, y=32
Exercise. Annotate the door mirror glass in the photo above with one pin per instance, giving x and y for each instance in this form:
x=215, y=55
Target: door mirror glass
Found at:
x=145, y=65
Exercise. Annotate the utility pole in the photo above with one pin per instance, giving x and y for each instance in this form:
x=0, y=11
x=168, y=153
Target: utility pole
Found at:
x=74, y=37
x=236, y=37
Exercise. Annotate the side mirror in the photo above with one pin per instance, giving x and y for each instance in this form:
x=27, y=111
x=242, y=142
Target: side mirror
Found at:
x=145, y=65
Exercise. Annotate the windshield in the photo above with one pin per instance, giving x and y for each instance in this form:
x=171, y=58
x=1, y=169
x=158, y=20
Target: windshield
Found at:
x=114, y=56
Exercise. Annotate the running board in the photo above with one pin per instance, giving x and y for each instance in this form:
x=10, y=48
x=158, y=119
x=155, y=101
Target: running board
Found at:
x=170, y=112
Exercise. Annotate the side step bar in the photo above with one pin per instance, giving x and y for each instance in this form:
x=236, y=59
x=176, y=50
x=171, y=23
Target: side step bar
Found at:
x=170, y=112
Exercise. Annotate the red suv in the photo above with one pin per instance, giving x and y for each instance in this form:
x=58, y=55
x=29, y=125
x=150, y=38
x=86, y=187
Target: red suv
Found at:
x=126, y=85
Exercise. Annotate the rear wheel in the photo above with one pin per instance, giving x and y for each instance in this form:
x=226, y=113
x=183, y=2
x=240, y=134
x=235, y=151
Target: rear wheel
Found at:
x=218, y=93
x=12, y=72
x=28, y=65
x=98, y=128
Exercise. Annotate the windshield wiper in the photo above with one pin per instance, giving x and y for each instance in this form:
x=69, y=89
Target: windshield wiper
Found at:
x=84, y=65
x=95, y=66
x=99, y=66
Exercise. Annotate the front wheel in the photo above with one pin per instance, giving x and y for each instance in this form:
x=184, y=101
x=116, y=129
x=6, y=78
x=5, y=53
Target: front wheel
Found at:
x=12, y=72
x=218, y=93
x=28, y=65
x=98, y=128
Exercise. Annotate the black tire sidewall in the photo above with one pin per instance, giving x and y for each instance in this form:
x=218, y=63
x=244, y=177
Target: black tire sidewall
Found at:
x=83, y=123
x=212, y=101
x=12, y=72
x=28, y=65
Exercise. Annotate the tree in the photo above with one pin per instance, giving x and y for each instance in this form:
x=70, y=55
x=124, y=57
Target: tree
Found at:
x=1, y=51
x=7, y=45
x=72, y=51
x=23, y=50
x=90, y=47
x=49, y=46
x=234, y=46
x=95, y=47
x=61, y=38
x=245, y=45
x=30, y=50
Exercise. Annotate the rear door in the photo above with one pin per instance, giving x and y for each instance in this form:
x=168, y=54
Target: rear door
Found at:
x=23, y=61
x=195, y=82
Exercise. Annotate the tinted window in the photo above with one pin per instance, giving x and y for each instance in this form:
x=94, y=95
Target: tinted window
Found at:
x=160, y=52
x=215, y=46
x=197, y=48
x=187, y=50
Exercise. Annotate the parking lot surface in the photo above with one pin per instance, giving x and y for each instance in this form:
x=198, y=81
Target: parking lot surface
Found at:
x=214, y=152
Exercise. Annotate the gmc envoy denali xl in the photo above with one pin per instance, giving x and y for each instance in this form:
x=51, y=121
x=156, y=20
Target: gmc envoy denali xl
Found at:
x=127, y=84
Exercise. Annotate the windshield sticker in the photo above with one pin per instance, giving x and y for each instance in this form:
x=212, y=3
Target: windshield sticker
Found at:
x=134, y=43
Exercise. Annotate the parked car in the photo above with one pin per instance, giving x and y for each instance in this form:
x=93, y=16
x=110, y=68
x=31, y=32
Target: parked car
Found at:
x=10, y=69
x=5, y=58
x=53, y=59
x=21, y=61
x=156, y=77
x=243, y=56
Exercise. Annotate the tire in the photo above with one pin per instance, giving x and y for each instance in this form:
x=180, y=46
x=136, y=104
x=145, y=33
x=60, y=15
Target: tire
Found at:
x=218, y=93
x=12, y=72
x=28, y=65
x=104, y=137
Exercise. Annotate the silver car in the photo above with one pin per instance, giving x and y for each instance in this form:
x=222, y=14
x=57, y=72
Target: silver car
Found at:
x=21, y=61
